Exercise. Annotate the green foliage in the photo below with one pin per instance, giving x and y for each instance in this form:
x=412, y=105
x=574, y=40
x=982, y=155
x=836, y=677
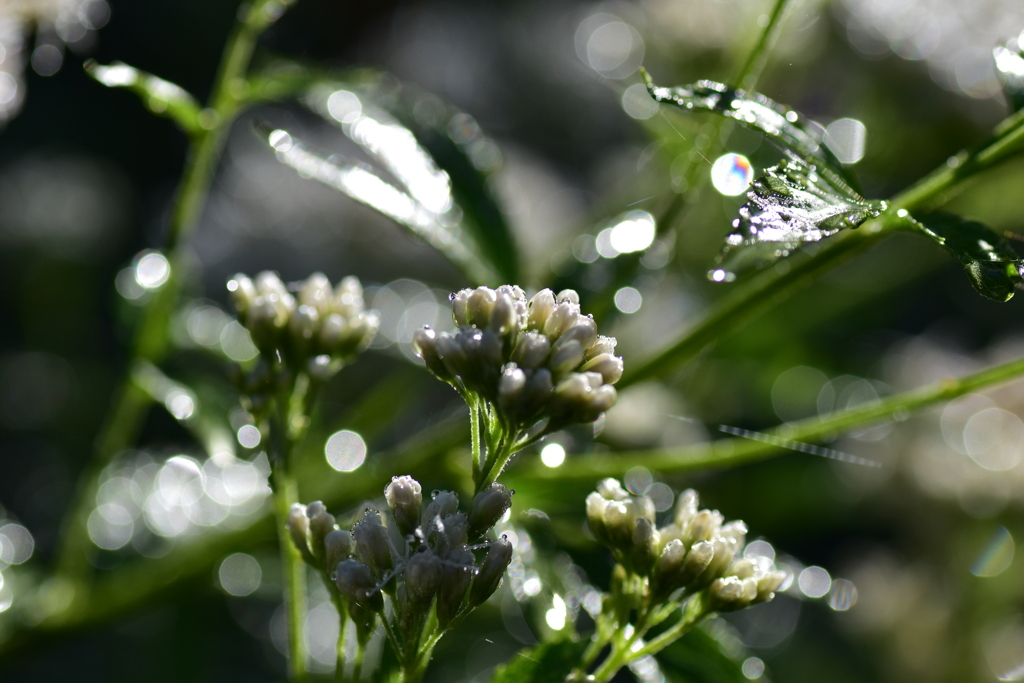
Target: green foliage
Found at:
x=699, y=657
x=992, y=265
x=549, y=662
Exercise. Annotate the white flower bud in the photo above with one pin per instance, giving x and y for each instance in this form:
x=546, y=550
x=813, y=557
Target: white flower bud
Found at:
x=565, y=358
x=320, y=368
x=601, y=345
x=242, y=293
x=686, y=508
x=451, y=354
x=611, y=489
x=704, y=525
x=268, y=282
x=405, y=498
x=460, y=307
x=503, y=320
x=568, y=296
x=737, y=531
x=541, y=306
x=481, y=303
x=561, y=319
x=609, y=367
x=316, y=292
x=304, y=324
x=298, y=527
x=531, y=351
x=320, y=525
x=584, y=331
x=768, y=584
x=348, y=297
x=510, y=389
x=424, y=343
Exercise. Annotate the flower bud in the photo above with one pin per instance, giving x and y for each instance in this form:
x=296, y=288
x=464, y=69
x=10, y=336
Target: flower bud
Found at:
x=538, y=392
x=697, y=560
x=725, y=551
x=424, y=343
x=316, y=293
x=611, y=489
x=460, y=307
x=373, y=546
x=298, y=526
x=768, y=584
x=737, y=531
x=510, y=389
x=456, y=575
x=405, y=498
x=531, y=351
x=348, y=297
x=337, y=548
x=565, y=358
x=442, y=504
x=568, y=296
x=268, y=282
x=488, y=507
x=686, y=508
x=355, y=581
x=646, y=544
x=731, y=593
x=609, y=367
x=449, y=535
x=704, y=525
x=561, y=319
x=541, y=306
x=584, y=331
x=242, y=293
x=479, y=306
x=667, y=568
x=503, y=319
x=600, y=346
x=303, y=325
x=499, y=555
x=451, y=354
x=422, y=578
x=320, y=525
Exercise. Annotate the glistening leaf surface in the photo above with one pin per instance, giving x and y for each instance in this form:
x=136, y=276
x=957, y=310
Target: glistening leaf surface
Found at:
x=161, y=97
x=790, y=205
x=991, y=263
x=1009, y=61
x=438, y=153
x=785, y=127
x=368, y=188
x=698, y=657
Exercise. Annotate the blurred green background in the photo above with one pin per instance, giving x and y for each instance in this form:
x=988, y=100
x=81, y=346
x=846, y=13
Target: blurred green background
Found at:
x=568, y=146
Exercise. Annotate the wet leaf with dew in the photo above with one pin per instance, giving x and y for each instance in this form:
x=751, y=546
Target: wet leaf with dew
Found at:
x=1009, y=60
x=366, y=186
x=991, y=263
x=161, y=97
x=790, y=205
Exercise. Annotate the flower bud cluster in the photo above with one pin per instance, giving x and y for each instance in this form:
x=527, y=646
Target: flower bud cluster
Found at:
x=695, y=551
x=310, y=325
x=420, y=555
x=530, y=360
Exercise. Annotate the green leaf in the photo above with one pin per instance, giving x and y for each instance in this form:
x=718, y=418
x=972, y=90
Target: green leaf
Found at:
x=1009, y=60
x=991, y=263
x=440, y=230
x=443, y=147
x=161, y=97
x=790, y=205
x=548, y=662
x=700, y=657
x=786, y=127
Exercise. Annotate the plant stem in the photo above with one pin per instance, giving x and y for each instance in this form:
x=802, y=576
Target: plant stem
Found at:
x=285, y=494
x=769, y=287
x=751, y=70
x=339, y=660
x=735, y=451
x=149, y=342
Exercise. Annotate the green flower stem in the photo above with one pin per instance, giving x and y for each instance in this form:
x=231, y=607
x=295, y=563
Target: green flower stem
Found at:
x=751, y=70
x=150, y=338
x=736, y=451
x=474, y=429
x=339, y=660
x=285, y=494
x=760, y=293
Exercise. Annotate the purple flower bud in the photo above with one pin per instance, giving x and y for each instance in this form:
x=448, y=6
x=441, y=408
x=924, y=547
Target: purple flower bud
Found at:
x=499, y=555
x=355, y=581
x=405, y=498
x=373, y=546
x=488, y=507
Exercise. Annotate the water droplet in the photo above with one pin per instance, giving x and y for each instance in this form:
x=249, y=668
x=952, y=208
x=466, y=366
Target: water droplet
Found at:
x=731, y=174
